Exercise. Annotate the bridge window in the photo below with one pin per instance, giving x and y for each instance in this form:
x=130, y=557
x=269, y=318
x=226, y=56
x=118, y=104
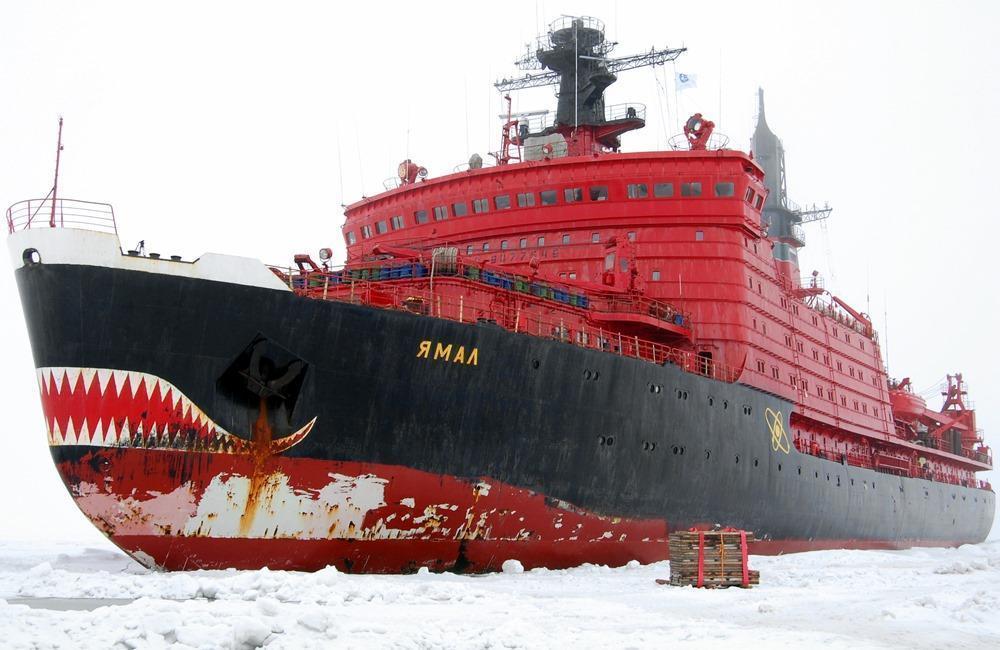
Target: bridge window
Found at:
x=565, y=239
x=631, y=235
x=548, y=197
x=366, y=232
x=480, y=206
x=699, y=235
x=502, y=202
x=748, y=197
x=637, y=191
x=573, y=194
x=381, y=227
x=759, y=202
x=843, y=401
x=503, y=244
x=524, y=242
x=775, y=372
x=525, y=199
x=397, y=222
x=725, y=189
x=661, y=190
x=460, y=209
x=656, y=276
x=760, y=366
x=541, y=242
x=351, y=238
x=420, y=216
x=486, y=247
x=440, y=213
x=691, y=189
x=599, y=193
x=595, y=238
x=468, y=249
x=840, y=366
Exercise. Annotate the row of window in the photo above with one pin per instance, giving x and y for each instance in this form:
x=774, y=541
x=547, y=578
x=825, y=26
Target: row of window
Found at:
x=547, y=197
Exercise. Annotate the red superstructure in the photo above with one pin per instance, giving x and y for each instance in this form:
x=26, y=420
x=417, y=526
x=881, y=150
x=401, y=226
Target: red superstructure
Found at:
x=689, y=254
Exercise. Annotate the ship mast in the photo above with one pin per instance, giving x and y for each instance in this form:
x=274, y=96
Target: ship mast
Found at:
x=575, y=52
x=55, y=181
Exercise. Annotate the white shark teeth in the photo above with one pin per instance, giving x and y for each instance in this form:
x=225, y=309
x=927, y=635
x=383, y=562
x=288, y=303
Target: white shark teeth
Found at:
x=103, y=377
x=88, y=375
x=72, y=375
x=97, y=435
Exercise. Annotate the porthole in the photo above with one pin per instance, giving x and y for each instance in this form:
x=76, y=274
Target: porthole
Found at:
x=587, y=374
x=725, y=404
x=827, y=477
x=596, y=375
x=708, y=454
x=648, y=446
x=31, y=256
x=610, y=440
x=800, y=471
x=675, y=449
x=711, y=401
x=756, y=462
x=737, y=459
x=535, y=363
x=682, y=450
x=779, y=467
x=817, y=474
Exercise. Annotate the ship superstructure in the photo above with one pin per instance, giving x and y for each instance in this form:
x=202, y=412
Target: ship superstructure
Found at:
x=558, y=358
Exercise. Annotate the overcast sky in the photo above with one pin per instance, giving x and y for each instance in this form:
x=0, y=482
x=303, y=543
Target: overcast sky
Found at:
x=242, y=127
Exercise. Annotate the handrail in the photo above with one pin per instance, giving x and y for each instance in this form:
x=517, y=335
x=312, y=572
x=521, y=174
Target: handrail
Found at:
x=567, y=294
x=67, y=213
x=415, y=296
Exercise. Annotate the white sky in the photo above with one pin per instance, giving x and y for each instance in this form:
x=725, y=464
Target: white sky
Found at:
x=241, y=127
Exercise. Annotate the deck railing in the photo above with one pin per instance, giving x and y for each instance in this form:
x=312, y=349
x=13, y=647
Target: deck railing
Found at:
x=389, y=271
x=419, y=297
x=61, y=213
x=892, y=464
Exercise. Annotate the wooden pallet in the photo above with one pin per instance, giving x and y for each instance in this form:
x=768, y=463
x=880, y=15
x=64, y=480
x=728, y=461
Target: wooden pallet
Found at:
x=710, y=559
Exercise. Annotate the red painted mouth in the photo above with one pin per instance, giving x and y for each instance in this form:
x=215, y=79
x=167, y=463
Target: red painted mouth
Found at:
x=99, y=407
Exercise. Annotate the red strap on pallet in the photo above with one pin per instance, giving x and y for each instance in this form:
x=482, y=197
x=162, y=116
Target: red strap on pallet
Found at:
x=701, y=558
x=743, y=550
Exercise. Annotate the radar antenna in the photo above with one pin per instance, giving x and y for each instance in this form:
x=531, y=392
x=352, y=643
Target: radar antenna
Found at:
x=576, y=54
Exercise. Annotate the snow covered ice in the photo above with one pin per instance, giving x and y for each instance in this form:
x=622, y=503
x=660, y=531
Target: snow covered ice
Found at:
x=919, y=598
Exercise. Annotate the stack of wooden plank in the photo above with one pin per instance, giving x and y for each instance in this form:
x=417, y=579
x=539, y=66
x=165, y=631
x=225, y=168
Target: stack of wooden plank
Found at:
x=711, y=558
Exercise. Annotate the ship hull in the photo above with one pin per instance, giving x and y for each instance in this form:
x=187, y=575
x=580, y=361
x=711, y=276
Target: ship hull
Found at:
x=387, y=441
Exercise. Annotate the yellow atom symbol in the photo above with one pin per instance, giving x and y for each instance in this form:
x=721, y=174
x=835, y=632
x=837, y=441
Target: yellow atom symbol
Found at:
x=776, y=423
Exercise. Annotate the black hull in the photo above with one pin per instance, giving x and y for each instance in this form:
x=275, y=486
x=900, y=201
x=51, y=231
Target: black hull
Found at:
x=529, y=412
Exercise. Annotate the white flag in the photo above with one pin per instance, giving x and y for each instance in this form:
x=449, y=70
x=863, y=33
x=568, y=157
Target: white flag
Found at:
x=686, y=81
